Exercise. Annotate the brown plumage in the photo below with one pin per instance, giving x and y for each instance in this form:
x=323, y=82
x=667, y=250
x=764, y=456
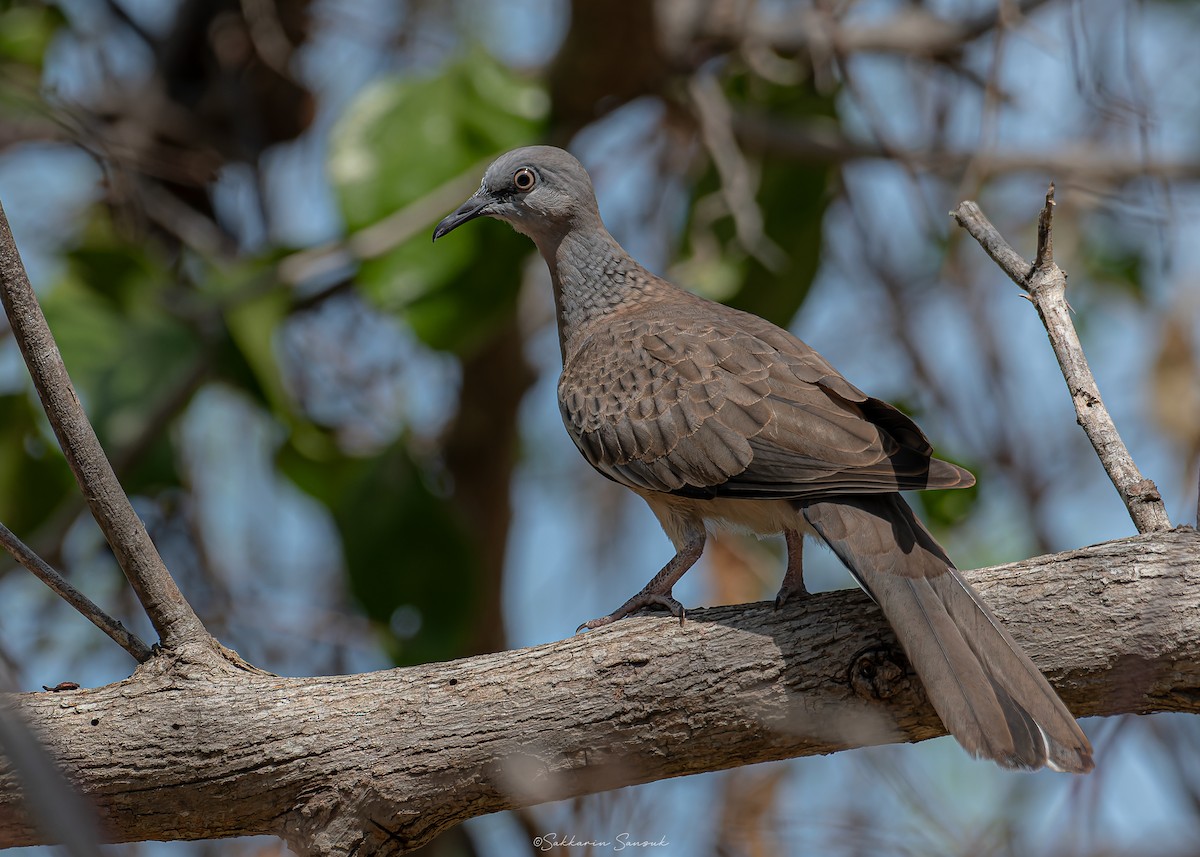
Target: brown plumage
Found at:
x=718, y=417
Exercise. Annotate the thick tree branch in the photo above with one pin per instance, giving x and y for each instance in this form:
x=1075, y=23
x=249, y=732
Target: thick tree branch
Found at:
x=172, y=616
x=61, y=587
x=1046, y=285
x=333, y=763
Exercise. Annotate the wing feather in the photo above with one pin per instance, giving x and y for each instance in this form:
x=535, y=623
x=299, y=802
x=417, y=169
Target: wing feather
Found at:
x=735, y=407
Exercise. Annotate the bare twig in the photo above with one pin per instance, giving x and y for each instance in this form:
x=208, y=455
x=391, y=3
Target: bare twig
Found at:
x=822, y=141
x=1045, y=245
x=168, y=610
x=1046, y=285
x=42, y=570
x=176, y=217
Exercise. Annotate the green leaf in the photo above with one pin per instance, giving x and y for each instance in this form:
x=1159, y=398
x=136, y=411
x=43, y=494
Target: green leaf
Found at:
x=404, y=137
x=465, y=311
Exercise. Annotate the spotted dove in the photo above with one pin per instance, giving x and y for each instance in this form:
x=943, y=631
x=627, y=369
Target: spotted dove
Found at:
x=718, y=417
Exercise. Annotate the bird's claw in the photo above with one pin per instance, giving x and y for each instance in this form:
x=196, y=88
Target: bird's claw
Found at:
x=634, y=604
x=786, y=593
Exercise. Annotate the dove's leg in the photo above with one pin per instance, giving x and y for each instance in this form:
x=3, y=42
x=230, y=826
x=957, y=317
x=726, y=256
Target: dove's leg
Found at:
x=793, y=578
x=658, y=591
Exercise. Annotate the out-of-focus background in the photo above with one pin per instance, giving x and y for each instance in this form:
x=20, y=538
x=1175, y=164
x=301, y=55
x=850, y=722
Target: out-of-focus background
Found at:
x=345, y=440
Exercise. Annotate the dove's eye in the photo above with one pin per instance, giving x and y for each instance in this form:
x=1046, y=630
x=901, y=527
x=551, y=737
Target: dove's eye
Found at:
x=524, y=179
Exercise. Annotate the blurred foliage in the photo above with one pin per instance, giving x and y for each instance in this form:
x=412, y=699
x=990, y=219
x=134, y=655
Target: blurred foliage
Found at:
x=793, y=196
x=26, y=30
x=400, y=141
x=34, y=479
x=122, y=347
x=143, y=322
x=405, y=550
x=1116, y=263
x=943, y=510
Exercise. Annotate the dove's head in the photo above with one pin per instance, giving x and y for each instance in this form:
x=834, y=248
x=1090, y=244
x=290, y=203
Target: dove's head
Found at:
x=541, y=191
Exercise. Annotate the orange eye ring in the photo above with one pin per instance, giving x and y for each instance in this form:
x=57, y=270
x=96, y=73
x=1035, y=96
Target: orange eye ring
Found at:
x=524, y=179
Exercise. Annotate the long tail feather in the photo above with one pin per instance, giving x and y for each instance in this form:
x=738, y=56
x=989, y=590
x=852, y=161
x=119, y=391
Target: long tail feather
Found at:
x=988, y=693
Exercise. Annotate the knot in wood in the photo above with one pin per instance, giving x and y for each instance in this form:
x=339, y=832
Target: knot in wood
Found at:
x=1144, y=491
x=878, y=673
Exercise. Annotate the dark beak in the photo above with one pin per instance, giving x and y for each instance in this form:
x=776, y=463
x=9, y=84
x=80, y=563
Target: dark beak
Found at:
x=469, y=210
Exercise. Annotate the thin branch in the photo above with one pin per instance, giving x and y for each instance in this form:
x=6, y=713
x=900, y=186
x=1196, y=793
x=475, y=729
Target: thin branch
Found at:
x=42, y=570
x=1046, y=285
x=168, y=610
x=822, y=141
x=971, y=218
x=919, y=33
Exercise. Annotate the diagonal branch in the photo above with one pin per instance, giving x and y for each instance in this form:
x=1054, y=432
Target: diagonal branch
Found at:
x=124, y=638
x=168, y=610
x=1046, y=285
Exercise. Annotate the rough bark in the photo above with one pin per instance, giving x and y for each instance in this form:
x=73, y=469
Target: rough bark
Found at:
x=190, y=747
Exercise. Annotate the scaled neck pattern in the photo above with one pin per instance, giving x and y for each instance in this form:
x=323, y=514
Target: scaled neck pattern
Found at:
x=593, y=277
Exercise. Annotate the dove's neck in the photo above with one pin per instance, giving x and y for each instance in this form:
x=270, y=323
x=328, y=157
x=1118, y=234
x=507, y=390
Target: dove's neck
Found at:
x=593, y=277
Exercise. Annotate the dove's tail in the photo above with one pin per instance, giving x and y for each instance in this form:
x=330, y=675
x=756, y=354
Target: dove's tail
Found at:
x=988, y=693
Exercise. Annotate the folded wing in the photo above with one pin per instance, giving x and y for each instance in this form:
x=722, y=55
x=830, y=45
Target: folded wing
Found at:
x=735, y=408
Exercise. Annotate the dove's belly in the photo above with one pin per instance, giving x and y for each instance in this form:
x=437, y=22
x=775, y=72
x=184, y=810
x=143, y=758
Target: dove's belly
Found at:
x=680, y=515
